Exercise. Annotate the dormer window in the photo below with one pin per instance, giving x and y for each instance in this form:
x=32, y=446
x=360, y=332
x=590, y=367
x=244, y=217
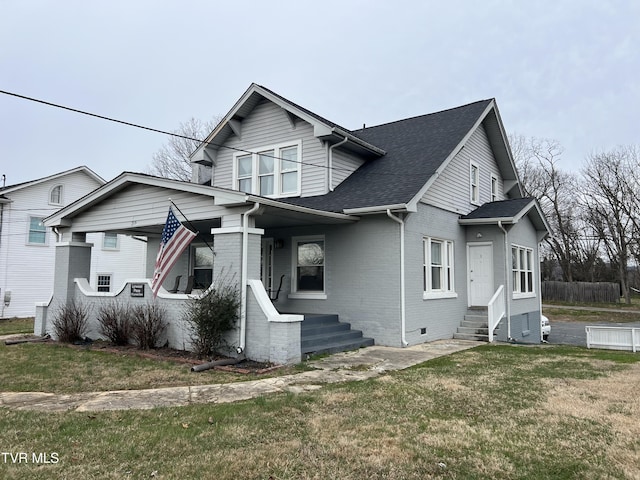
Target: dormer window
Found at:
x=271, y=172
x=55, y=195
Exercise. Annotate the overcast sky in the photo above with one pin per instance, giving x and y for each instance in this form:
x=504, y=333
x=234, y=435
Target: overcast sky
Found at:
x=566, y=70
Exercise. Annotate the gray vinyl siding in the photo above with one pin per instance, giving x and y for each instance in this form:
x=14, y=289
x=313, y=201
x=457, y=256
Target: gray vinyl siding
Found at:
x=451, y=191
x=344, y=165
x=268, y=125
x=440, y=317
x=141, y=205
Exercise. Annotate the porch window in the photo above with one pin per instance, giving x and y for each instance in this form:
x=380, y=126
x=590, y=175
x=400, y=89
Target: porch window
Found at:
x=104, y=282
x=202, y=261
x=475, y=184
x=309, y=263
x=273, y=171
x=438, y=268
x=522, y=270
x=37, y=231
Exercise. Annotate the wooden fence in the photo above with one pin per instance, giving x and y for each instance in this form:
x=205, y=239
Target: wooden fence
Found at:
x=599, y=292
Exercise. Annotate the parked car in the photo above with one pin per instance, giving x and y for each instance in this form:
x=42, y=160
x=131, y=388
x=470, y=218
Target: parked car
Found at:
x=545, y=327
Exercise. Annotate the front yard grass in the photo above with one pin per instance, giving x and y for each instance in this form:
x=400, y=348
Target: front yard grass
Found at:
x=496, y=411
x=11, y=326
x=55, y=368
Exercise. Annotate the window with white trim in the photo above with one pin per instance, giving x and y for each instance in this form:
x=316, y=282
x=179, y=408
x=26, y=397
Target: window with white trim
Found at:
x=202, y=266
x=522, y=268
x=103, y=282
x=438, y=268
x=474, y=191
x=37, y=231
x=308, y=265
x=271, y=171
x=110, y=241
x=494, y=188
x=55, y=195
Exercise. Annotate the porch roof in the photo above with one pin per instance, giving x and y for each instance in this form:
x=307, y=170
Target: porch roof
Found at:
x=508, y=212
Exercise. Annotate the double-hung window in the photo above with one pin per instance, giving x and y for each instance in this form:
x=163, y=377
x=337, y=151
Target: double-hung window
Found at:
x=37, y=231
x=475, y=184
x=110, y=241
x=438, y=268
x=522, y=269
x=104, y=282
x=271, y=172
x=308, y=267
x=494, y=188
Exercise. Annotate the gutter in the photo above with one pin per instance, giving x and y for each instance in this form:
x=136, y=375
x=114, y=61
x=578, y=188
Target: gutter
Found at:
x=403, y=309
x=330, y=160
x=243, y=277
x=507, y=296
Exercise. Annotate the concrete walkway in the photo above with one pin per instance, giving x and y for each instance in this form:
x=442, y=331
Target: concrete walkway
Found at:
x=341, y=367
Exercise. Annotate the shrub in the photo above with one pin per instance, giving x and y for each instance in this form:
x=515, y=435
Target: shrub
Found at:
x=70, y=322
x=148, y=324
x=211, y=316
x=115, y=322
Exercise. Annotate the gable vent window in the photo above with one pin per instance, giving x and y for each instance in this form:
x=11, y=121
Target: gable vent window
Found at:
x=55, y=195
x=271, y=172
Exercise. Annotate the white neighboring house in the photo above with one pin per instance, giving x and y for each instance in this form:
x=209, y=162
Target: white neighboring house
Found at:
x=27, y=247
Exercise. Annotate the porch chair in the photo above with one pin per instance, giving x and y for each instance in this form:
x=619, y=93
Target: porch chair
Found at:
x=189, y=287
x=176, y=284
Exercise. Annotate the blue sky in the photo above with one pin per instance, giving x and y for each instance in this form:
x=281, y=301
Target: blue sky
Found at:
x=562, y=70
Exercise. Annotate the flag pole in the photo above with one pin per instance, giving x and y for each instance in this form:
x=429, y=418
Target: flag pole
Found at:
x=192, y=226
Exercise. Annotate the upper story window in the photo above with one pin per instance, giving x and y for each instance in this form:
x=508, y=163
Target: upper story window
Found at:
x=270, y=172
x=37, y=231
x=494, y=188
x=475, y=184
x=110, y=241
x=438, y=268
x=55, y=195
x=522, y=268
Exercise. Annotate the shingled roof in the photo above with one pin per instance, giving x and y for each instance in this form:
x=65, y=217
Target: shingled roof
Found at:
x=415, y=148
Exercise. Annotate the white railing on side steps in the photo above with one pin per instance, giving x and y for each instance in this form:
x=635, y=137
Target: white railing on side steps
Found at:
x=613, y=338
x=495, y=310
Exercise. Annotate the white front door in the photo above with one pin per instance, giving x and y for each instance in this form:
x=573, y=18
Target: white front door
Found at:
x=480, y=273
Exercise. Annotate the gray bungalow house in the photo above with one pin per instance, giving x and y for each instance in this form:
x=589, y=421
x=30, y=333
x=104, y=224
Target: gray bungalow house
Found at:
x=397, y=234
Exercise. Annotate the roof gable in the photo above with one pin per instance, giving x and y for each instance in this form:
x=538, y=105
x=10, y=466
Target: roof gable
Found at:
x=19, y=186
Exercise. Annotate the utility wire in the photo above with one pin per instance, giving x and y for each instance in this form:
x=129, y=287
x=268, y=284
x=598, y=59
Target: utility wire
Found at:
x=173, y=134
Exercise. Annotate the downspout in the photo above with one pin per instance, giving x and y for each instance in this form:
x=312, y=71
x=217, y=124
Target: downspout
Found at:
x=507, y=293
x=243, y=276
x=330, y=173
x=403, y=310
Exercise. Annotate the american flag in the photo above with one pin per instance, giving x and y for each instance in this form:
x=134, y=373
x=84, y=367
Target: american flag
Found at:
x=175, y=238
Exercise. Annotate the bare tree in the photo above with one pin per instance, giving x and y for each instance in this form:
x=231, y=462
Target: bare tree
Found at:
x=611, y=189
x=537, y=163
x=172, y=160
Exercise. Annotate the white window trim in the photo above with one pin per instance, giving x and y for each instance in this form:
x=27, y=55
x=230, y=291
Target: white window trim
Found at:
x=494, y=182
x=520, y=294
x=319, y=295
x=61, y=201
x=46, y=233
x=110, y=276
x=277, y=171
x=474, y=199
x=110, y=249
x=429, y=293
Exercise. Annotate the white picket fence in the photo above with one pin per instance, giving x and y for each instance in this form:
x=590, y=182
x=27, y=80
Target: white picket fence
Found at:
x=613, y=338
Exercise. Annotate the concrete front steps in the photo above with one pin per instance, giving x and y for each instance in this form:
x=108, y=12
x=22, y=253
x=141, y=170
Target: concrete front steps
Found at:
x=474, y=326
x=326, y=334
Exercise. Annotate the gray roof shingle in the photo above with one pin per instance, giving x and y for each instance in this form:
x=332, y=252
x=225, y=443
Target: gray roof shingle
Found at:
x=415, y=148
x=500, y=209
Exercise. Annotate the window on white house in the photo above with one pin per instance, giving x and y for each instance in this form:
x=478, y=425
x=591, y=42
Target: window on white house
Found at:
x=37, y=231
x=475, y=184
x=438, y=267
x=494, y=188
x=104, y=282
x=110, y=241
x=522, y=268
x=270, y=172
x=309, y=263
x=55, y=195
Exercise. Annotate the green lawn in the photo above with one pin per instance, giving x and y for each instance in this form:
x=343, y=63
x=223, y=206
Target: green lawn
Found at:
x=493, y=412
x=16, y=325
